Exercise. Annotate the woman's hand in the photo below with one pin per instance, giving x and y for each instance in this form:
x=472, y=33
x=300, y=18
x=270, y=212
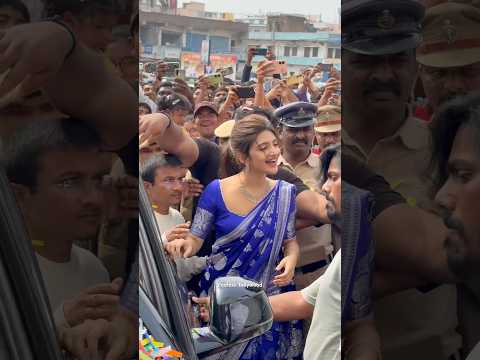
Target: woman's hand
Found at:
x=288, y=264
x=291, y=250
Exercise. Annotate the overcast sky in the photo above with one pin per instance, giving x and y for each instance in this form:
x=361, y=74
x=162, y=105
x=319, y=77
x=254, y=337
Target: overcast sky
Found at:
x=328, y=8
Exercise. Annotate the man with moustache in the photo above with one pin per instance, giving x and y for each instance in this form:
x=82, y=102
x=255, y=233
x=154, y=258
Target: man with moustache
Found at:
x=163, y=177
x=328, y=127
x=450, y=67
x=379, y=41
x=449, y=59
x=456, y=162
x=296, y=122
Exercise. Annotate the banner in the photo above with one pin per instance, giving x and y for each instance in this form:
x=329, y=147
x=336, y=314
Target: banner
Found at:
x=192, y=64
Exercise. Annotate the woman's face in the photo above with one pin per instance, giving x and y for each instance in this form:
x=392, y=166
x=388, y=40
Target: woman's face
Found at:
x=264, y=153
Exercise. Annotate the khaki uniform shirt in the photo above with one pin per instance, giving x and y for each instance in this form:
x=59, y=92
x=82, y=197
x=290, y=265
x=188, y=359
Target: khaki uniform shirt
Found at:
x=410, y=323
x=402, y=159
x=315, y=242
x=306, y=170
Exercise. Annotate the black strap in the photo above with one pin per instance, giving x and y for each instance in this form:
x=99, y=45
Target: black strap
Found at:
x=305, y=269
x=57, y=20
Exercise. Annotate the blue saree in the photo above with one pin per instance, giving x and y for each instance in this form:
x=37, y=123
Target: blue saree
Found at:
x=251, y=246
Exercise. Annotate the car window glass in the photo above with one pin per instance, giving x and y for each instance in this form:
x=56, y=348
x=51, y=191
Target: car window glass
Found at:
x=24, y=304
x=13, y=336
x=153, y=323
x=181, y=286
x=155, y=254
x=150, y=280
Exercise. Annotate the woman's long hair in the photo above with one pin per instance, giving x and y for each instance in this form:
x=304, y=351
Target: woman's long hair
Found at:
x=244, y=135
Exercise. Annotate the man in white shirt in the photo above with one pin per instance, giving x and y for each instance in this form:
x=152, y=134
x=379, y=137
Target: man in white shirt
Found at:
x=163, y=177
x=145, y=99
x=323, y=299
x=56, y=169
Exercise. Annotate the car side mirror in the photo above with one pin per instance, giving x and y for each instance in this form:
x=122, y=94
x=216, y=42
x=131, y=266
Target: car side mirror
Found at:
x=239, y=311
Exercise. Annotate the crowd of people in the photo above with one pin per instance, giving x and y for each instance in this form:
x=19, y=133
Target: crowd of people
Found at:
x=410, y=116
x=245, y=179
x=408, y=235
x=233, y=172
x=69, y=147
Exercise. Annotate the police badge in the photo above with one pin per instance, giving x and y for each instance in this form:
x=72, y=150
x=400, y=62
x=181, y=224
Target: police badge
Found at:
x=386, y=20
x=449, y=31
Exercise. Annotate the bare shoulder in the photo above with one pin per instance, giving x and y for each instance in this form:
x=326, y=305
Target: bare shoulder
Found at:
x=229, y=183
x=272, y=183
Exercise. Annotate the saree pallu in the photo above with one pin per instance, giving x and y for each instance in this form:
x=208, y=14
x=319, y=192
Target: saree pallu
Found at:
x=358, y=251
x=252, y=250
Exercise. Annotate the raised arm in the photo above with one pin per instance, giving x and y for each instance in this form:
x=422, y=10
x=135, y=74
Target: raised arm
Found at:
x=159, y=132
x=43, y=56
x=98, y=96
x=312, y=206
x=411, y=241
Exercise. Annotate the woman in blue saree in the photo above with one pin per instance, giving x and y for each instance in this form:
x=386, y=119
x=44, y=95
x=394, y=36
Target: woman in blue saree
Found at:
x=254, y=222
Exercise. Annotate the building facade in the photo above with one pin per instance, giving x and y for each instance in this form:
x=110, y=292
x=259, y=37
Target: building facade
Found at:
x=299, y=50
x=181, y=34
x=181, y=38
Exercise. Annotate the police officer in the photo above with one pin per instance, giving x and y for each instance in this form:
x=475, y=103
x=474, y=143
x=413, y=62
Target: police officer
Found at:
x=328, y=126
x=449, y=55
x=449, y=58
x=379, y=39
x=297, y=132
x=296, y=121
